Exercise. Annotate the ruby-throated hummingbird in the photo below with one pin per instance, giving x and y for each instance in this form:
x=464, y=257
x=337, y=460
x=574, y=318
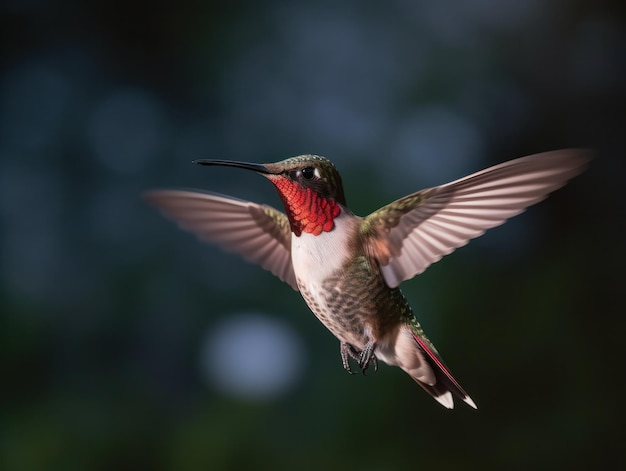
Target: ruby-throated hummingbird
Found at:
x=348, y=268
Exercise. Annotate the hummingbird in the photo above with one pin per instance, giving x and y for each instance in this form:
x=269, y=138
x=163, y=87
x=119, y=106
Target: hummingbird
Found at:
x=348, y=268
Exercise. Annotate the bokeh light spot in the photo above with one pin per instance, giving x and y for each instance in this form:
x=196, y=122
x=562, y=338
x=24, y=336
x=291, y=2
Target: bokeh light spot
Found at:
x=252, y=356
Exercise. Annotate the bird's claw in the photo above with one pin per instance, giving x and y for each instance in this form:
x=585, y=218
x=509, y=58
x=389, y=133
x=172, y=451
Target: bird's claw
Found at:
x=367, y=356
x=363, y=358
x=347, y=352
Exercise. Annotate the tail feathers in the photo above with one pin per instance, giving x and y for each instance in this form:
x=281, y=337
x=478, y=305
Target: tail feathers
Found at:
x=445, y=386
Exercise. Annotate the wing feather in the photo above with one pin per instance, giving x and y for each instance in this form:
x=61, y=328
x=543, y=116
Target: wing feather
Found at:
x=413, y=232
x=259, y=233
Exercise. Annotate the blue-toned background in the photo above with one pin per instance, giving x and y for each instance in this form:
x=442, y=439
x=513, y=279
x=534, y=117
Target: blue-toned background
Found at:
x=127, y=344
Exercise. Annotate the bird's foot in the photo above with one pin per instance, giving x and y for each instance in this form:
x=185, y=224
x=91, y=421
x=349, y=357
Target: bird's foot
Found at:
x=364, y=358
x=367, y=356
x=347, y=352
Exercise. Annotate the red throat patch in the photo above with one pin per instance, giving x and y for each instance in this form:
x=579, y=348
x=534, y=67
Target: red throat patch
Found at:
x=306, y=210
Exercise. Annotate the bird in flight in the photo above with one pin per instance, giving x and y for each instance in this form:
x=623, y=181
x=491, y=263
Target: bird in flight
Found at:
x=348, y=268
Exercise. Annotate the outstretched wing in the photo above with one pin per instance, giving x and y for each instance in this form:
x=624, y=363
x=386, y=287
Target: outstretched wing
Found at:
x=259, y=233
x=409, y=234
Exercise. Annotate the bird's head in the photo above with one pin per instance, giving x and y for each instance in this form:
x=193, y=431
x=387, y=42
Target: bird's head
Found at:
x=309, y=186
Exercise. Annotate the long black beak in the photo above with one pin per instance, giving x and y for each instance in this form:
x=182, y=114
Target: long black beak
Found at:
x=231, y=163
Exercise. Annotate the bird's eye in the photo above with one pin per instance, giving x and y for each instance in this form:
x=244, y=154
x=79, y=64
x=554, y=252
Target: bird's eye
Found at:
x=308, y=173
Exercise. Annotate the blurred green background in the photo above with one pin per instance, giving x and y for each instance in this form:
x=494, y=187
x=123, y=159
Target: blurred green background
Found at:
x=127, y=344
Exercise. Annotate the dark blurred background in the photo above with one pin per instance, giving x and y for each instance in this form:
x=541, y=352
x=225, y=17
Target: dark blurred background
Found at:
x=127, y=344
